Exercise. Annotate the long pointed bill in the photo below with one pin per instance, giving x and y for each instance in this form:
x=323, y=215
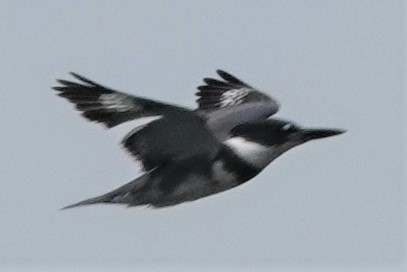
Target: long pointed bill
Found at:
x=312, y=134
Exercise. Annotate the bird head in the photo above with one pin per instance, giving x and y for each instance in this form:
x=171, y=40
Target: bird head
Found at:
x=259, y=143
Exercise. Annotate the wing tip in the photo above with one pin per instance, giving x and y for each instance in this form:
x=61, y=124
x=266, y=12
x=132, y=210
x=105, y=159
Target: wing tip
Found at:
x=228, y=77
x=57, y=88
x=220, y=71
x=83, y=79
x=223, y=74
x=69, y=84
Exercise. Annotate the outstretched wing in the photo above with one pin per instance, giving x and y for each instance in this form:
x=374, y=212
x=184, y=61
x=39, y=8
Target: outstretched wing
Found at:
x=177, y=135
x=229, y=92
x=230, y=102
x=109, y=107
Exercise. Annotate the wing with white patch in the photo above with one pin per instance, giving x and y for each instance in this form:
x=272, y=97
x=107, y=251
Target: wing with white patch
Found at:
x=178, y=134
x=231, y=102
x=229, y=92
x=103, y=105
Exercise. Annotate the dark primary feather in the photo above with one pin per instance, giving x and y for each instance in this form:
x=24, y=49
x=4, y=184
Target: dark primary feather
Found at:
x=231, y=79
x=104, y=105
x=231, y=91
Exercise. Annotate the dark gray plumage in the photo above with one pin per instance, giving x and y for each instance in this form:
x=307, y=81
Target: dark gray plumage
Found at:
x=190, y=154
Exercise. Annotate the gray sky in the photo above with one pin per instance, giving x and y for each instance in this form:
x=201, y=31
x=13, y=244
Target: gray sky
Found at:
x=334, y=203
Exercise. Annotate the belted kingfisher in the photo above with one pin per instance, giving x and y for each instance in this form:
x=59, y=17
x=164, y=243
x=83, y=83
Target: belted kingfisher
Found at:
x=190, y=154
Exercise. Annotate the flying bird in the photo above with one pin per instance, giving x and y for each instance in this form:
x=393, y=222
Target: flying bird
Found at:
x=190, y=154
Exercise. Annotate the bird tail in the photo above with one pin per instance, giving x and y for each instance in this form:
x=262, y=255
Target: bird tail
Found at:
x=94, y=200
x=122, y=195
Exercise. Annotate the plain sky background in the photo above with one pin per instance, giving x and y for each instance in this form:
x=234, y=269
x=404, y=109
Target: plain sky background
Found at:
x=334, y=203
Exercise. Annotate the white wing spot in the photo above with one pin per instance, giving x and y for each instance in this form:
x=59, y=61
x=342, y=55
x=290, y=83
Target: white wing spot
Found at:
x=140, y=124
x=287, y=126
x=233, y=97
x=117, y=102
